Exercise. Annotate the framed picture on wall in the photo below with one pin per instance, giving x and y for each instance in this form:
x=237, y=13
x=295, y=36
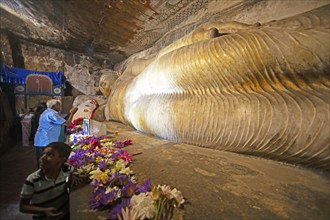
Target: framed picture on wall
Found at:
x=39, y=84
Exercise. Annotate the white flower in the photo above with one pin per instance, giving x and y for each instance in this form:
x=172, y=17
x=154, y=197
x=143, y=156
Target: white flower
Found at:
x=107, y=144
x=130, y=214
x=120, y=165
x=113, y=170
x=118, y=195
x=109, y=160
x=144, y=203
x=177, y=196
x=71, y=137
x=133, y=179
x=115, y=188
x=85, y=169
x=166, y=191
x=95, y=174
x=126, y=171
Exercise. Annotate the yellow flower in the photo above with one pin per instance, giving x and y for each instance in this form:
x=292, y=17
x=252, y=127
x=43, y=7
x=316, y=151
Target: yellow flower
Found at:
x=98, y=159
x=99, y=175
x=120, y=165
x=105, y=140
x=104, y=177
x=95, y=174
x=156, y=193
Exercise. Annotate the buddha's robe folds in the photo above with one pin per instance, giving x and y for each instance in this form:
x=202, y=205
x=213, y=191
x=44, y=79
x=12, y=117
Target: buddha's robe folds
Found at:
x=254, y=89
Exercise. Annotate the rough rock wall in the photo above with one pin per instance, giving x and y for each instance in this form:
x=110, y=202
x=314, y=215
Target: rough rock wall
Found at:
x=5, y=53
x=81, y=71
x=198, y=12
x=252, y=89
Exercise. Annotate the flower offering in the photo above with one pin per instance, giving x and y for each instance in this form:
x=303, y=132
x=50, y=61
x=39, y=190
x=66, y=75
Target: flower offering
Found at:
x=106, y=163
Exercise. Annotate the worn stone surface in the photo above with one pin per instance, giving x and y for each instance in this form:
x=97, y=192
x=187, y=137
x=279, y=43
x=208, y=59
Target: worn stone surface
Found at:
x=115, y=30
x=220, y=185
x=6, y=51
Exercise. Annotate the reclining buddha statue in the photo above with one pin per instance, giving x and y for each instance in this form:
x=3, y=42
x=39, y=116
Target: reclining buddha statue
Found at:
x=259, y=89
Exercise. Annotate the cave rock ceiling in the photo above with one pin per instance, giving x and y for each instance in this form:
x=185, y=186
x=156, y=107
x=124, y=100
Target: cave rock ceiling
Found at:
x=111, y=29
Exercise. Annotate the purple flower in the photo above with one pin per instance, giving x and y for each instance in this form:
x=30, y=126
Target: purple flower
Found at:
x=117, y=210
x=116, y=155
x=129, y=189
x=94, y=202
x=145, y=187
x=115, y=175
x=108, y=197
x=102, y=165
x=74, y=130
x=90, y=158
x=103, y=137
x=98, y=154
x=78, y=158
x=75, y=140
x=96, y=183
x=84, y=141
x=118, y=179
x=119, y=144
x=101, y=199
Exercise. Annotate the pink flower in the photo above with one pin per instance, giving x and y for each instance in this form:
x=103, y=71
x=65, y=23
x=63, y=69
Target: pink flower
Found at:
x=126, y=156
x=127, y=142
x=94, y=141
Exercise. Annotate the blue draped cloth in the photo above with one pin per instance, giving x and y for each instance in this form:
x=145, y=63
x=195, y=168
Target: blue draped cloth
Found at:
x=17, y=76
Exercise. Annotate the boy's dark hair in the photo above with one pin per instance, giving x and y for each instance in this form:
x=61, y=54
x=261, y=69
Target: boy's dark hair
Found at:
x=62, y=148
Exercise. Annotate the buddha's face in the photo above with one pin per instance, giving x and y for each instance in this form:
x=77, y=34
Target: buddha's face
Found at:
x=105, y=84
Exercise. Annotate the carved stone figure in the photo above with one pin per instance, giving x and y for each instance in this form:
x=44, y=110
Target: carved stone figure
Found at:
x=105, y=84
x=254, y=89
x=101, y=101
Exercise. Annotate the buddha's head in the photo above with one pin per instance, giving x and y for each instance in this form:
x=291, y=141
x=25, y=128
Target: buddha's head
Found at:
x=105, y=84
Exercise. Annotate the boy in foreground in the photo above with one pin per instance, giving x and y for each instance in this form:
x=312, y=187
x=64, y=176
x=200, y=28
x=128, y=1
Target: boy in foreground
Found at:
x=45, y=192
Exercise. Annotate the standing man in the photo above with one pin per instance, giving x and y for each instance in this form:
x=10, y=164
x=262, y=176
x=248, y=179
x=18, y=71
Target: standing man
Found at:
x=50, y=125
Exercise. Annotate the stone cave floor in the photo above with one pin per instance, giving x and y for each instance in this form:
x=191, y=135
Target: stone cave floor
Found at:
x=216, y=184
